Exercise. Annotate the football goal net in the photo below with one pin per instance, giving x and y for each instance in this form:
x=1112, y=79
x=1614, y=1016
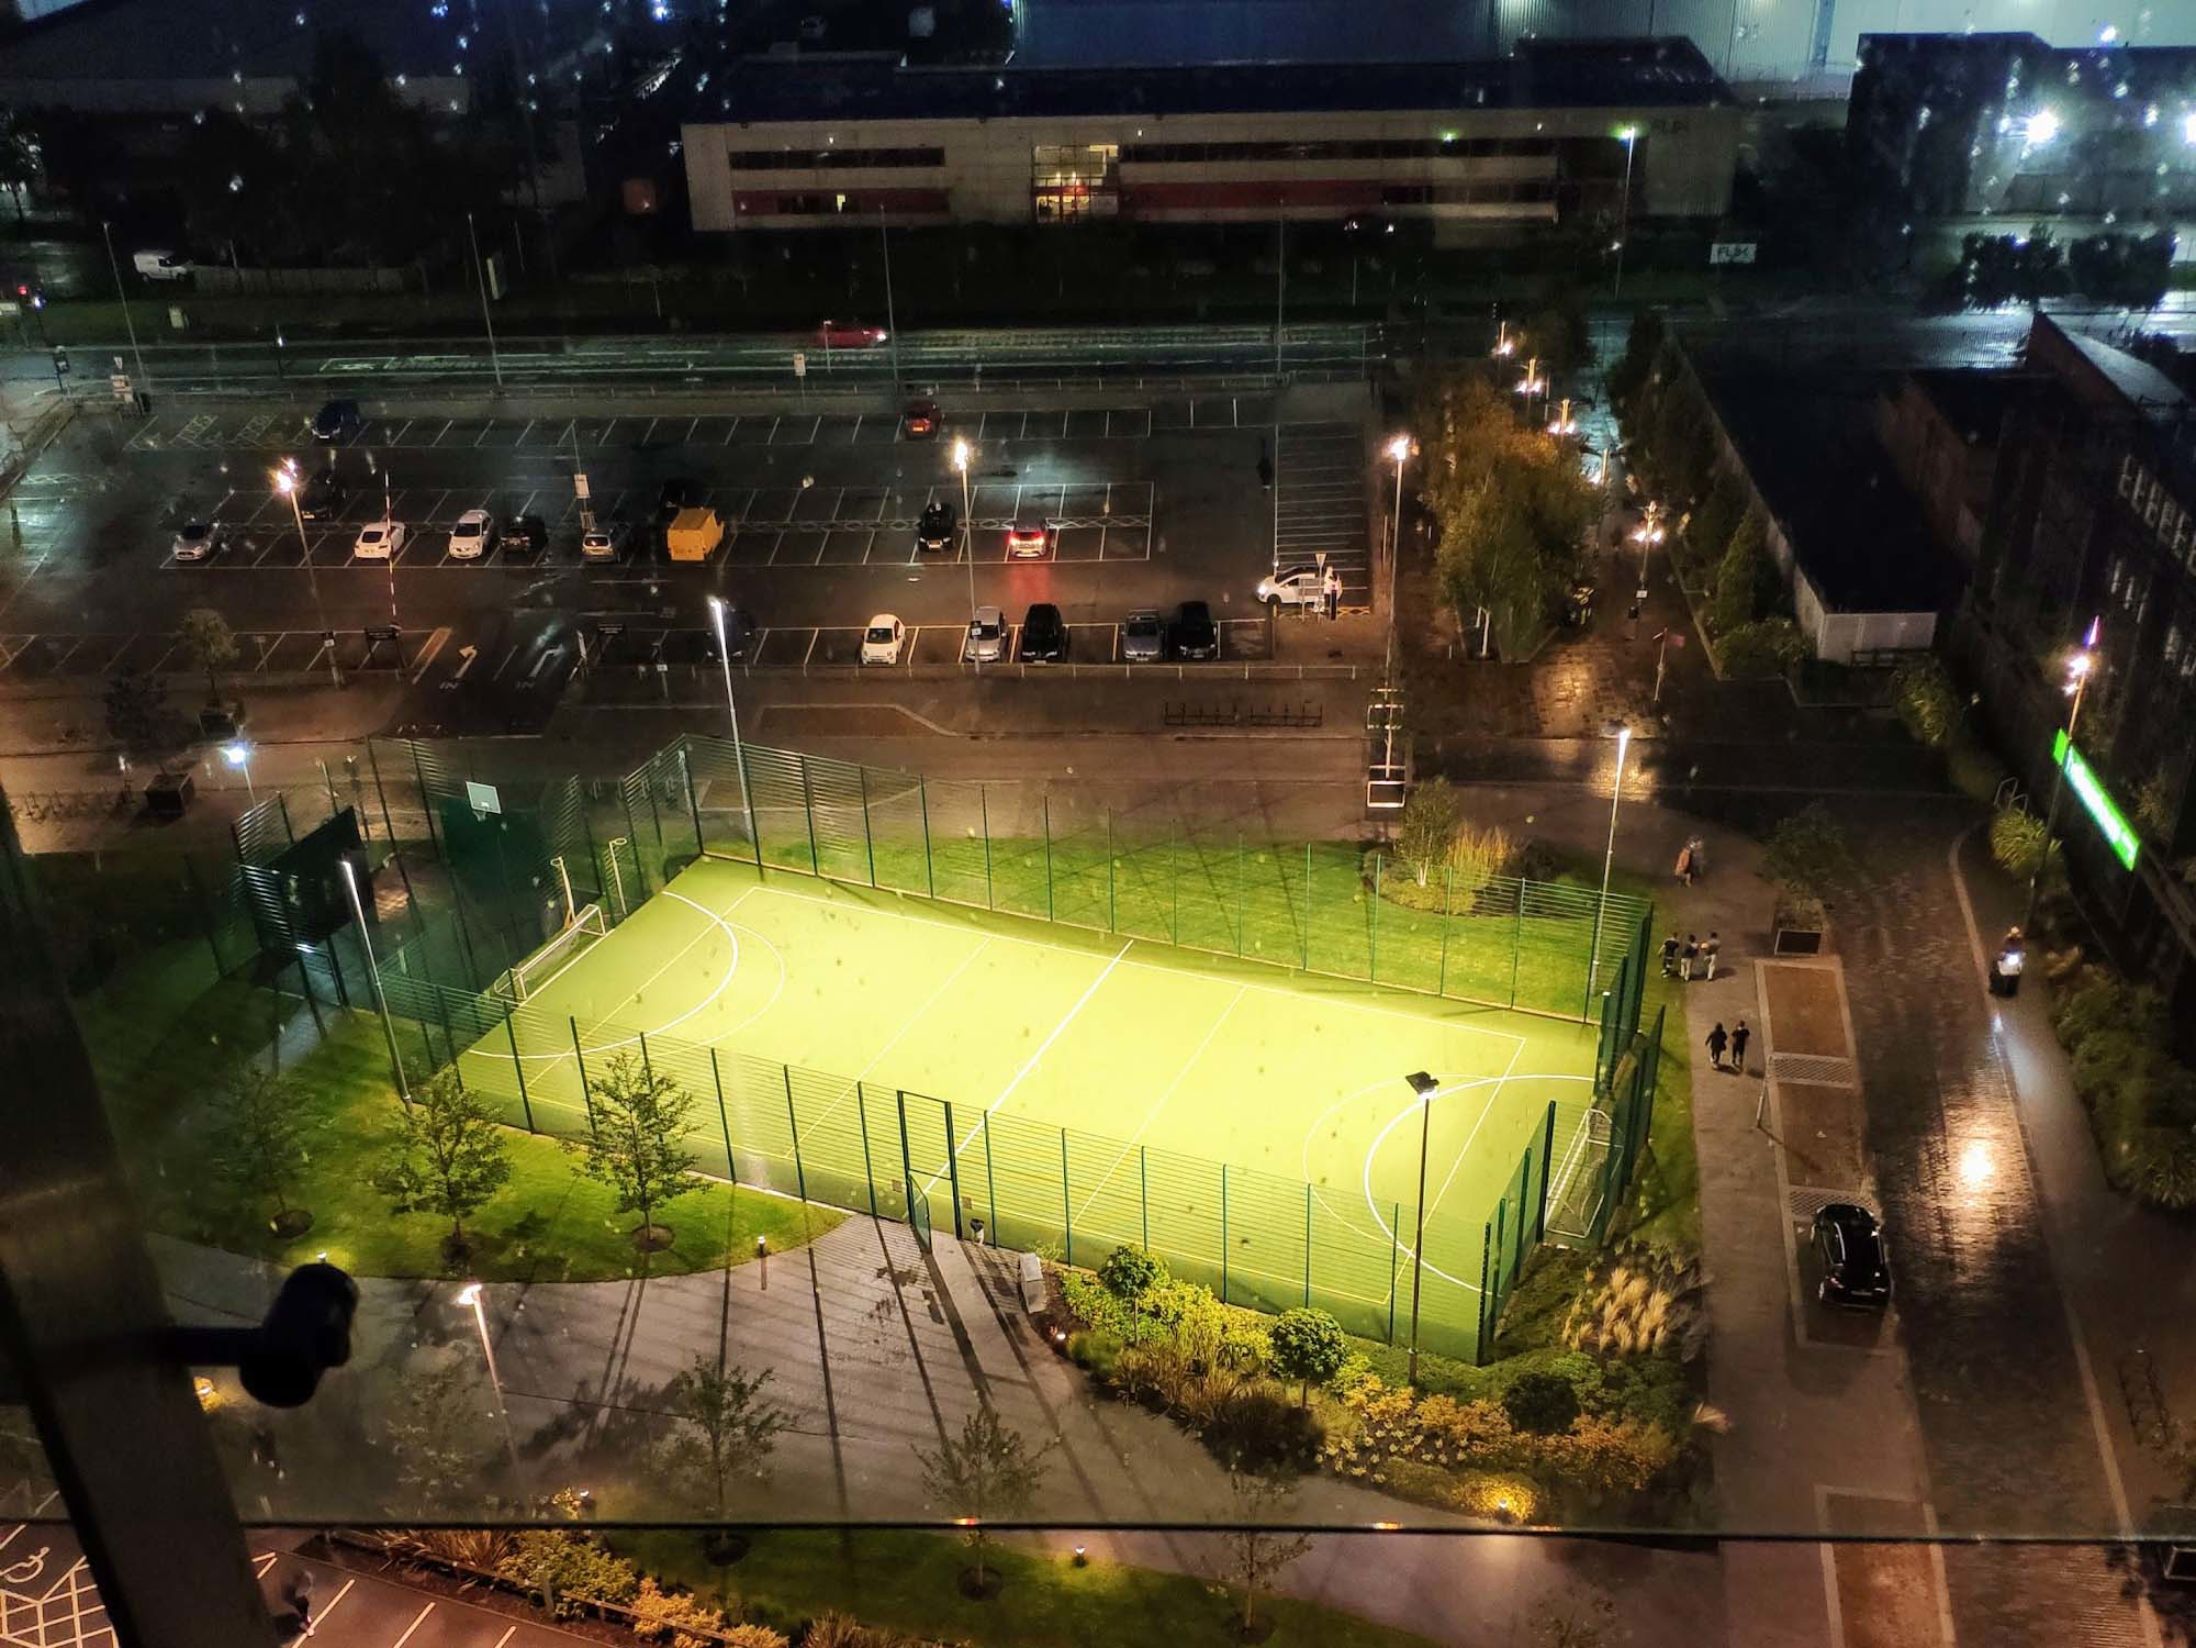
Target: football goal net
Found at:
x=528, y=978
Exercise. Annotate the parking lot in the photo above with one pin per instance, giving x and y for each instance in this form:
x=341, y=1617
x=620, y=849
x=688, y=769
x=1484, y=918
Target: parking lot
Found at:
x=65, y=655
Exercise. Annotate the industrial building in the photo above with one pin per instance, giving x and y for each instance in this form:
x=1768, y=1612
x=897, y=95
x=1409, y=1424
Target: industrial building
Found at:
x=1552, y=134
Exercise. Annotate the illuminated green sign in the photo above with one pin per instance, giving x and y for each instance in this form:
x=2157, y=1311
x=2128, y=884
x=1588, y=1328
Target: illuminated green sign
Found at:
x=2118, y=832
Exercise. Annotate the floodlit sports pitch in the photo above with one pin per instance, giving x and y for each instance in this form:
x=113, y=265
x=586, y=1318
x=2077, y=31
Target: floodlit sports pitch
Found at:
x=1136, y=1043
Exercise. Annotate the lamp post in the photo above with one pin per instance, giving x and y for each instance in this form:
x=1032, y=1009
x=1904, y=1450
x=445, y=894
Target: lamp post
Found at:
x=129, y=325
x=480, y=273
x=2079, y=667
x=469, y=1295
x=1648, y=534
x=373, y=972
x=1630, y=137
x=286, y=483
x=1608, y=861
x=1532, y=383
x=1506, y=342
x=1425, y=1087
x=968, y=543
x=1399, y=448
x=239, y=755
x=892, y=323
x=732, y=708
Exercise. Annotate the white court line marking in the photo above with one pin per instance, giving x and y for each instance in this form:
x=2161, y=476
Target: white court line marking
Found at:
x=1494, y=1099
x=671, y=962
x=1151, y=1111
x=1177, y=971
x=1043, y=1047
x=415, y=1625
x=908, y=1024
x=320, y=1615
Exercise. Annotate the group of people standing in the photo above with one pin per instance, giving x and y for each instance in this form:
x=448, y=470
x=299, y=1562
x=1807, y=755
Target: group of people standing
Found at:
x=1681, y=961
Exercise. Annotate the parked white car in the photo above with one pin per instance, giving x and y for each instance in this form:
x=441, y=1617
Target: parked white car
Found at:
x=1294, y=586
x=470, y=538
x=162, y=265
x=883, y=639
x=379, y=541
x=987, y=637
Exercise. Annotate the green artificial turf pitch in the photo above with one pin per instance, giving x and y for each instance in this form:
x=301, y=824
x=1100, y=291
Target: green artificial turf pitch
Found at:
x=1094, y=1084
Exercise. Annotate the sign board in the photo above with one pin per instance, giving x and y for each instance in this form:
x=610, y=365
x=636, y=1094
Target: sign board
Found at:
x=1730, y=251
x=2082, y=778
x=119, y=382
x=483, y=797
x=800, y=363
x=10, y=308
x=176, y=322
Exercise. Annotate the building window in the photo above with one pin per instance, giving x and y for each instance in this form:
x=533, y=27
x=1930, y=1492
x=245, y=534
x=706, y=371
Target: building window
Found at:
x=1072, y=181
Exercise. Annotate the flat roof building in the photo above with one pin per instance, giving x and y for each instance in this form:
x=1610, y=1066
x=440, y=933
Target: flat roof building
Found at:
x=1536, y=138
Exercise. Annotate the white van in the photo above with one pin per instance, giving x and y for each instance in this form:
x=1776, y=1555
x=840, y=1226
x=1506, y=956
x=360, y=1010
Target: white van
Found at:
x=162, y=265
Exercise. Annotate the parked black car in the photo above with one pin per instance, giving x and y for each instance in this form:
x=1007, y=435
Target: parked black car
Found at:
x=1044, y=635
x=1856, y=1261
x=934, y=532
x=739, y=636
x=524, y=535
x=1195, y=635
x=337, y=421
x=324, y=497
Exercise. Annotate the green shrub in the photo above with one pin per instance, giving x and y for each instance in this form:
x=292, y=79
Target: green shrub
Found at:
x=1130, y=1274
x=1927, y=705
x=1738, y=577
x=1768, y=646
x=1806, y=851
x=1973, y=770
x=1309, y=1348
x=1097, y=1353
x=1542, y=1403
x=2101, y=1000
x=2017, y=840
x=2163, y=1169
x=1256, y=1428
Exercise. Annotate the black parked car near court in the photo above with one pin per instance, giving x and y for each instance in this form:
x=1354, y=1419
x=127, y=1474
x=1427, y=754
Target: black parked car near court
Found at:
x=1195, y=635
x=1044, y=635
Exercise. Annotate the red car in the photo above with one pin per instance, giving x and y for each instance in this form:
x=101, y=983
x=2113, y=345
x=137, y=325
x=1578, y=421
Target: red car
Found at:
x=849, y=334
x=921, y=420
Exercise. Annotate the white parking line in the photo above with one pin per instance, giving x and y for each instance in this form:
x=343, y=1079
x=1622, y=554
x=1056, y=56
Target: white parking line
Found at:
x=415, y=1625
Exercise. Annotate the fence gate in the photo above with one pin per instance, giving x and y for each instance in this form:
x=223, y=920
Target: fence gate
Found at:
x=927, y=1158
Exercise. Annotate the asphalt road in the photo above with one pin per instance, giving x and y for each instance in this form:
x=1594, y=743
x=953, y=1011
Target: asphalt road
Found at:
x=997, y=356
x=1150, y=502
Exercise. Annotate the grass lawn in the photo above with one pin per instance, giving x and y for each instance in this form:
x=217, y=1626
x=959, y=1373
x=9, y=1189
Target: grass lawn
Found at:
x=546, y=1224
x=907, y=1581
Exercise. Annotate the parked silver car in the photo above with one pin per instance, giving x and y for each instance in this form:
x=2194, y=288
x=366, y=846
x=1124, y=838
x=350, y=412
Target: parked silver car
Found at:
x=987, y=637
x=1144, y=636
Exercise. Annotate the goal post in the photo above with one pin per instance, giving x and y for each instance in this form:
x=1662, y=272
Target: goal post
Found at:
x=530, y=976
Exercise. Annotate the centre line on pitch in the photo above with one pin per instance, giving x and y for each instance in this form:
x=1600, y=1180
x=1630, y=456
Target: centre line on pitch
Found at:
x=1045, y=1046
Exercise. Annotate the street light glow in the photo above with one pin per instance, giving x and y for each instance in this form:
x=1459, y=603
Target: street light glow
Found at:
x=237, y=755
x=469, y=1294
x=1399, y=448
x=960, y=454
x=2040, y=128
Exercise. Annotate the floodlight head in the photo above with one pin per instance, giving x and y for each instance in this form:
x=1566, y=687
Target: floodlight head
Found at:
x=960, y=453
x=469, y=1294
x=236, y=755
x=1399, y=448
x=1423, y=1084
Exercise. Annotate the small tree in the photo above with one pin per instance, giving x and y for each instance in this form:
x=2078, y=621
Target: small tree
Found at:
x=1541, y=1403
x=1309, y=1347
x=638, y=1146
x=2019, y=842
x=984, y=1473
x=1130, y=1274
x=723, y=1428
x=441, y=1433
x=136, y=704
x=1427, y=827
x=209, y=646
x=1255, y=1554
x=1807, y=849
x=448, y=1157
x=258, y=1140
x=1739, y=576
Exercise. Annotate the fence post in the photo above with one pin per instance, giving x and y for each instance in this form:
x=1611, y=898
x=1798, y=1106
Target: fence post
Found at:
x=1547, y=1161
x=1223, y=1233
x=518, y=1069
x=1448, y=918
x=1239, y=892
x=633, y=838
x=1305, y=948
x=1143, y=1192
x=1112, y=921
x=991, y=1185
x=1517, y=937
x=930, y=868
x=693, y=800
x=907, y=1161
x=1174, y=883
x=724, y=1122
x=983, y=803
x=1480, y=1338
x=1307, y=1244
x=1046, y=802
x=808, y=816
x=1372, y=932
x=426, y=799
x=1395, y=1242
x=869, y=1170
x=953, y=1167
x=747, y=794
x=579, y=1056
x=869, y=839
x=793, y=1130
x=1067, y=1213
x=1501, y=1206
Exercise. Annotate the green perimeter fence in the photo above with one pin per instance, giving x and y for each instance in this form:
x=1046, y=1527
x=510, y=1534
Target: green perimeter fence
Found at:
x=494, y=887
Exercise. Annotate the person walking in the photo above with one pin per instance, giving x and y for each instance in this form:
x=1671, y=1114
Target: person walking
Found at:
x=1683, y=869
x=1331, y=587
x=1740, y=1036
x=1670, y=956
x=1696, y=860
x=1687, y=956
x=1711, y=952
x=1717, y=1041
